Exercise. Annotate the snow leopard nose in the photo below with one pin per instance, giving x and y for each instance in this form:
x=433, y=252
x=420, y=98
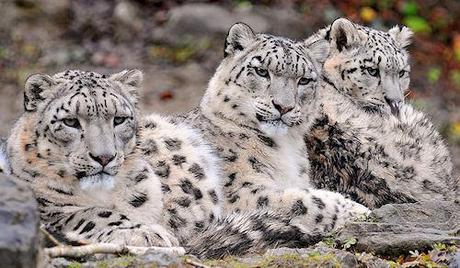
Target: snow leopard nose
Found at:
x=282, y=109
x=103, y=159
x=394, y=105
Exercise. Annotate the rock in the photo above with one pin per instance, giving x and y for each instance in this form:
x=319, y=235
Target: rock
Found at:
x=204, y=20
x=91, y=19
x=149, y=259
x=4, y=165
x=330, y=256
x=286, y=22
x=19, y=219
x=455, y=261
x=127, y=19
x=55, y=8
x=399, y=228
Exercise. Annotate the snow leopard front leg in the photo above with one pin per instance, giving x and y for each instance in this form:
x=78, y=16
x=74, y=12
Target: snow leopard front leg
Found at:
x=101, y=225
x=265, y=218
x=188, y=172
x=314, y=211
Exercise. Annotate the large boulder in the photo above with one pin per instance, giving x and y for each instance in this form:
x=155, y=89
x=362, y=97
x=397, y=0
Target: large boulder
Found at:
x=399, y=228
x=19, y=223
x=204, y=20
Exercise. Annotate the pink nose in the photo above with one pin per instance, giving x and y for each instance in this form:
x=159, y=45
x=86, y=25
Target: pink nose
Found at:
x=282, y=109
x=103, y=159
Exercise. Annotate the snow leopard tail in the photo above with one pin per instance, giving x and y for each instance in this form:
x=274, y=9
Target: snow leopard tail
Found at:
x=249, y=232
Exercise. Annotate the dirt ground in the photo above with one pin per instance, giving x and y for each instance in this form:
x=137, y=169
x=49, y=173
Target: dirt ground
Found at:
x=179, y=46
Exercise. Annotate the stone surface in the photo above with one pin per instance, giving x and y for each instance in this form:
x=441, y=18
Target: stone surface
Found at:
x=319, y=255
x=399, y=228
x=201, y=20
x=149, y=259
x=19, y=236
x=207, y=19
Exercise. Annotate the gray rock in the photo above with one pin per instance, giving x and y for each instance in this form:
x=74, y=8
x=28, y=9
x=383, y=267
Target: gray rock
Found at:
x=19, y=236
x=205, y=19
x=149, y=259
x=4, y=164
x=345, y=258
x=455, y=261
x=127, y=19
x=399, y=228
x=286, y=22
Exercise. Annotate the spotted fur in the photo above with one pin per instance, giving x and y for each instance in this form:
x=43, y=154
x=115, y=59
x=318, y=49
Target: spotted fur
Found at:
x=251, y=114
x=366, y=142
x=101, y=174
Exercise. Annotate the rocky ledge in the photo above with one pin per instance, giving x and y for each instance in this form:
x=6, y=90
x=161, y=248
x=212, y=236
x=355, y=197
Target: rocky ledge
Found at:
x=19, y=222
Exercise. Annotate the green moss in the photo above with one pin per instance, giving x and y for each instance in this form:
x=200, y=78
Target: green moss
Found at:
x=74, y=265
x=120, y=262
x=226, y=262
x=287, y=260
x=314, y=259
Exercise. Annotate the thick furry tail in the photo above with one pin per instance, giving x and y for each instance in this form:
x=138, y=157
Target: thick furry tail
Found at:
x=249, y=232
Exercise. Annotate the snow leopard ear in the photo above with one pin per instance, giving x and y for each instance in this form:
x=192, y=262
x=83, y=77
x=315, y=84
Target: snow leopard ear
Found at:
x=238, y=38
x=345, y=35
x=38, y=88
x=131, y=83
x=318, y=48
x=402, y=35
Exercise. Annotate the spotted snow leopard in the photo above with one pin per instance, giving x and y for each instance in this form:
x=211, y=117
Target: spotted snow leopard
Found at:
x=367, y=142
x=252, y=114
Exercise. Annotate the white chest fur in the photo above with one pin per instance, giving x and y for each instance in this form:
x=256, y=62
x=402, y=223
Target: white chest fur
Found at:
x=289, y=159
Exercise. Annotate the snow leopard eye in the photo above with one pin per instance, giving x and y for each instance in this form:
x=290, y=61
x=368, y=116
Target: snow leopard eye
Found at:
x=71, y=122
x=262, y=72
x=402, y=73
x=305, y=81
x=373, y=71
x=118, y=120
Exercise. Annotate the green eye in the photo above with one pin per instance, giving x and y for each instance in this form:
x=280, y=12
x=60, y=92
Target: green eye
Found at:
x=71, y=122
x=402, y=73
x=118, y=120
x=262, y=72
x=373, y=71
x=305, y=81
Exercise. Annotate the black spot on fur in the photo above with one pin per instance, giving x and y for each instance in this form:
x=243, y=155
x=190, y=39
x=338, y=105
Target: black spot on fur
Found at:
x=162, y=169
x=188, y=188
x=231, y=179
x=233, y=198
x=262, y=202
x=79, y=224
x=138, y=199
x=299, y=208
x=165, y=188
x=178, y=160
x=318, y=218
x=61, y=191
x=184, y=202
x=140, y=177
x=88, y=227
x=150, y=125
x=173, y=144
x=319, y=203
x=104, y=214
x=197, y=171
x=267, y=141
x=175, y=221
x=256, y=164
x=149, y=147
x=214, y=197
